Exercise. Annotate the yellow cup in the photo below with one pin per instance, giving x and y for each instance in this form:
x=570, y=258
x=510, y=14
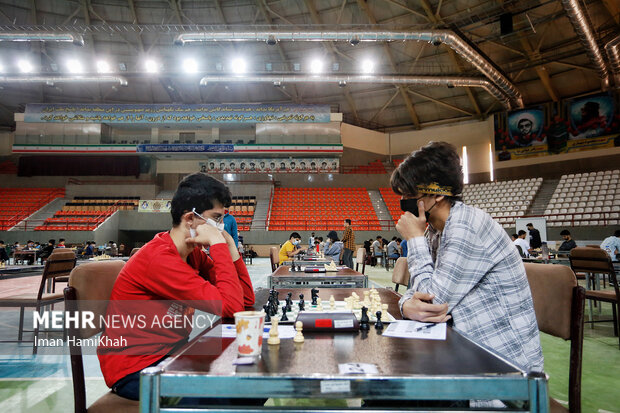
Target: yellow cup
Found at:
x=250, y=326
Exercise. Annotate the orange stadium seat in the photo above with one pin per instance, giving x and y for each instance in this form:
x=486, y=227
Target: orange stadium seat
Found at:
x=16, y=204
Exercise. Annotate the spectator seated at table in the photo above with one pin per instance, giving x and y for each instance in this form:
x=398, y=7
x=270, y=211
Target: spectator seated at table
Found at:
x=48, y=249
x=522, y=243
x=333, y=247
x=393, y=248
x=4, y=256
x=91, y=249
x=165, y=275
x=611, y=245
x=291, y=248
x=377, y=250
x=463, y=266
x=569, y=243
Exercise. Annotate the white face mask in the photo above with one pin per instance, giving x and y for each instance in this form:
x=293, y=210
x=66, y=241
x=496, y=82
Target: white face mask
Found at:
x=208, y=221
x=212, y=222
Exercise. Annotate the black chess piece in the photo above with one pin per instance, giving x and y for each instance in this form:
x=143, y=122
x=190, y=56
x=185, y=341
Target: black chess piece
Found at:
x=267, y=315
x=299, y=267
x=315, y=295
x=378, y=323
x=284, y=317
x=302, y=303
x=364, y=320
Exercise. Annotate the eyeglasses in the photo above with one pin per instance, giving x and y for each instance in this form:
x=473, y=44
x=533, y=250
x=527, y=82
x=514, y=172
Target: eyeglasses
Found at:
x=217, y=220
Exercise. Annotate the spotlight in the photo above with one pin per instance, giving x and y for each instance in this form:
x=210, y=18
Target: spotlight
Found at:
x=25, y=66
x=367, y=66
x=271, y=40
x=450, y=86
x=277, y=83
x=238, y=65
x=103, y=67
x=316, y=66
x=342, y=83
x=150, y=66
x=355, y=40
x=436, y=42
x=190, y=66
x=74, y=66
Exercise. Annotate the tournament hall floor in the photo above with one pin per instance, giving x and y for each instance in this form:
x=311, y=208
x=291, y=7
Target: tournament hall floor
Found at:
x=42, y=383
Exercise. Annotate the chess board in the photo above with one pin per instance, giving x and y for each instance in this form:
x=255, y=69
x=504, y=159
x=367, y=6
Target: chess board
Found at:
x=339, y=307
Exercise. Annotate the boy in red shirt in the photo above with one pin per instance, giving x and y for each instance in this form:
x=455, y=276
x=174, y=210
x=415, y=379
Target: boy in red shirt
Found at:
x=173, y=267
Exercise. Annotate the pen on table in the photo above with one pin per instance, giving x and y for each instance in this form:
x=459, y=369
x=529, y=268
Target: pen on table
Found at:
x=424, y=327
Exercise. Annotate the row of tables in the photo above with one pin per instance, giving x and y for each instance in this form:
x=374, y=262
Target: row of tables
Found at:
x=408, y=369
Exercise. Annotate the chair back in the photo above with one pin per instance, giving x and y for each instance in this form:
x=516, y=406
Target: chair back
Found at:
x=401, y=273
x=360, y=258
x=133, y=251
x=559, y=304
x=521, y=253
x=90, y=287
x=58, y=264
x=275, y=258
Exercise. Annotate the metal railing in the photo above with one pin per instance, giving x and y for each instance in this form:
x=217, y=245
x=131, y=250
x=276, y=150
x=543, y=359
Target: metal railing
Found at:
x=276, y=224
x=19, y=217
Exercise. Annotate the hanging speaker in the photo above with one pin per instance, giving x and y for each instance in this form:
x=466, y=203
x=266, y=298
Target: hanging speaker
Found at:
x=505, y=23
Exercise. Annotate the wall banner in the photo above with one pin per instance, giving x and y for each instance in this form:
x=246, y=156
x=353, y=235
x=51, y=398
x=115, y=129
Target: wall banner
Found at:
x=156, y=205
x=191, y=147
x=175, y=113
x=585, y=123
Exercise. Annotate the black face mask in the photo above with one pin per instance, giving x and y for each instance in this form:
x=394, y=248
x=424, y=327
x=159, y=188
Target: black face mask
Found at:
x=411, y=205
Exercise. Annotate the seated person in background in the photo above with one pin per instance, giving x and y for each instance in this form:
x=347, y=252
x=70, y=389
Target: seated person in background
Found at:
x=463, y=265
x=523, y=244
x=377, y=249
x=291, y=247
x=321, y=244
x=61, y=243
x=514, y=237
x=174, y=267
x=91, y=248
x=569, y=243
x=612, y=246
x=403, y=248
x=48, y=249
x=333, y=247
x=3, y=254
x=393, y=247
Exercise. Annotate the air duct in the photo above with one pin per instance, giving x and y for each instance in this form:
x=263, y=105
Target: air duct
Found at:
x=583, y=29
x=50, y=80
x=350, y=79
x=76, y=39
x=435, y=37
x=613, y=53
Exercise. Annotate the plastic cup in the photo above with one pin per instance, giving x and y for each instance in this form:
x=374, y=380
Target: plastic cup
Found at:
x=250, y=325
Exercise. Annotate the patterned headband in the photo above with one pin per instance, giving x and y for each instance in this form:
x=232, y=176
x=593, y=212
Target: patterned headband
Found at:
x=435, y=189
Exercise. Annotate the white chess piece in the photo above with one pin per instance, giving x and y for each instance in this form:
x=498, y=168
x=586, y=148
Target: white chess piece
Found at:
x=299, y=337
x=319, y=304
x=274, y=337
x=332, y=303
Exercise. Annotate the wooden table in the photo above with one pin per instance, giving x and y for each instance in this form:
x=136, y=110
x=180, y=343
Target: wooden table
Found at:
x=23, y=254
x=344, y=278
x=304, y=262
x=409, y=369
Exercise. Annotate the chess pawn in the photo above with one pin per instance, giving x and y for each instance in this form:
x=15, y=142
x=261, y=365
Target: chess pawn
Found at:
x=284, y=317
x=378, y=323
x=332, y=303
x=274, y=337
x=299, y=337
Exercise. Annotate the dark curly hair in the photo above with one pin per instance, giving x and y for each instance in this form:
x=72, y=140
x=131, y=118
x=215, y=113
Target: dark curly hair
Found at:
x=436, y=162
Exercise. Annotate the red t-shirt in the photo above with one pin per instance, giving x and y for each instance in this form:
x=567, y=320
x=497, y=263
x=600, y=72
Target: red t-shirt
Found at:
x=157, y=272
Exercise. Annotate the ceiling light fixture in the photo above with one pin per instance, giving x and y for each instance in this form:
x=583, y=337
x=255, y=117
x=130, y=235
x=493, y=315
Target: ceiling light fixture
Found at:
x=25, y=66
x=316, y=66
x=74, y=66
x=103, y=67
x=238, y=65
x=368, y=66
x=150, y=66
x=190, y=66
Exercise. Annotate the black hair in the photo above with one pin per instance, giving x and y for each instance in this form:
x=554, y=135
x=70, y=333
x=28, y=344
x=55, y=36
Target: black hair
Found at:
x=617, y=233
x=529, y=224
x=436, y=162
x=333, y=235
x=295, y=235
x=321, y=239
x=61, y=240
x=515, y=235
x=348, y=221
x=521, y=232
x=393, y=238
x=1, y=242
x=378, y=236
x=198, y=191
x=565, y=232
x=399, y=240
x=52, y=241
